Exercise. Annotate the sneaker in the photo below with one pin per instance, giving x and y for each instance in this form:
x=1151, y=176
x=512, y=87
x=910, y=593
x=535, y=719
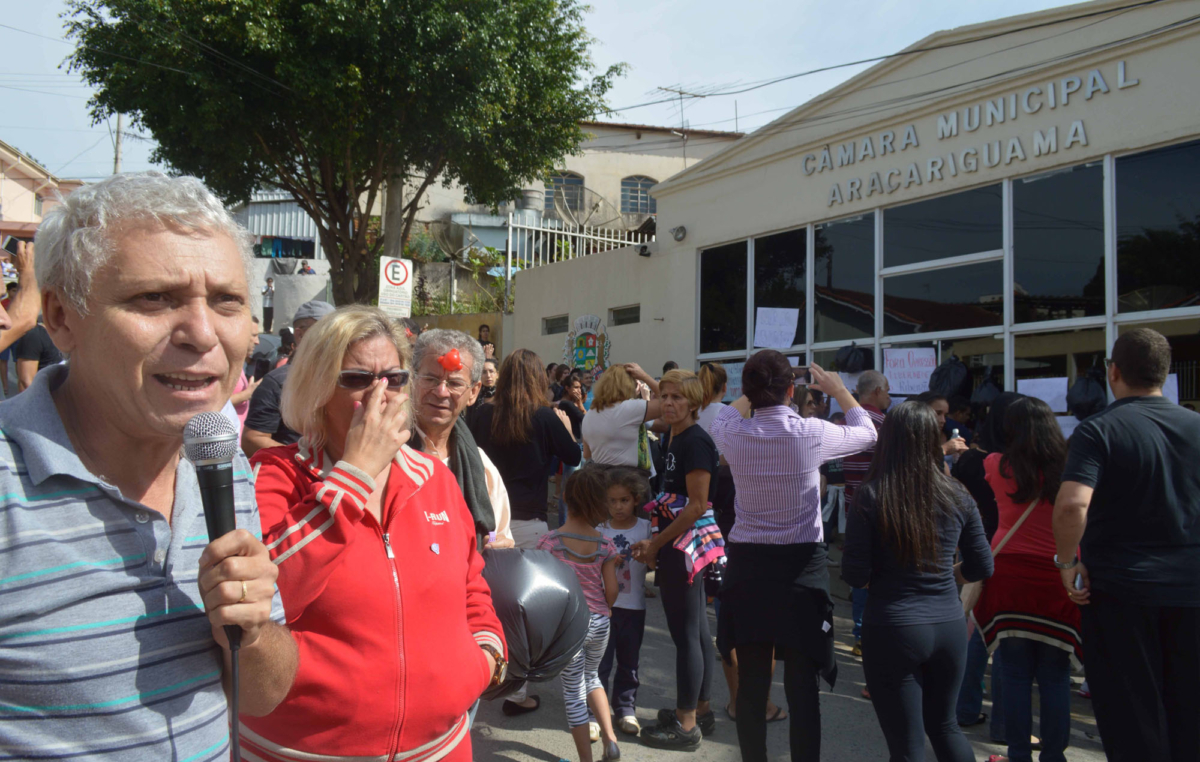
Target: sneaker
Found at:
x=629, y=725
x=857, y=650
x=594, y=731
x=1084, y=692
x=707, y=722
x=672, y=737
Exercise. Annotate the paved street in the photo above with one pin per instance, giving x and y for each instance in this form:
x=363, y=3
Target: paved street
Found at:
x=850, y=732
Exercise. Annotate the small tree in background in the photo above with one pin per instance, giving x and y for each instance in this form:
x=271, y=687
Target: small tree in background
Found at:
x=328, y=99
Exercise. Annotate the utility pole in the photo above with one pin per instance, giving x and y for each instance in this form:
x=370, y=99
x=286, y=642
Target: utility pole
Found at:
x=117, y=148
x=682, y=124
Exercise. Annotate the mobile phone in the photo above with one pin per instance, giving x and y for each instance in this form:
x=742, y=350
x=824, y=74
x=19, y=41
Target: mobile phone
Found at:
x=1078, y=581
x=801, y=376
x=10, y=244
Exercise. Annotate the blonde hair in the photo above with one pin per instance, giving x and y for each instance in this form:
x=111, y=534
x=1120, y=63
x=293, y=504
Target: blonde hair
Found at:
x=714, y=378
x=614, y=387
x=318, y=361
x=689, y=386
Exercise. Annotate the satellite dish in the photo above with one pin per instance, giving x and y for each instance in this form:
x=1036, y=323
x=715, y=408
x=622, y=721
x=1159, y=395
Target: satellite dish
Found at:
x=591, y=209
x=452, y=238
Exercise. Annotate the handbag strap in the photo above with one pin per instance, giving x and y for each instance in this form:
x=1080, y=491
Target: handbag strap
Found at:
x=1016, y=526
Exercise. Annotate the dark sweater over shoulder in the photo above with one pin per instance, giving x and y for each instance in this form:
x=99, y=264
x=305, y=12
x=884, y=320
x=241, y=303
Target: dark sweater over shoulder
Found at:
x=900, y=594
x=525, y=467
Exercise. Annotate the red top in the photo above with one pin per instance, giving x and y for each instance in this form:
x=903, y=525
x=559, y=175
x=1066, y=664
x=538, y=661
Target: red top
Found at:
x=389, y=619
x=1036, y=535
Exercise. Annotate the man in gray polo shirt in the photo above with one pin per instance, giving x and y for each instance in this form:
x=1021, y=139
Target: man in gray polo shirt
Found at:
x=112, y=599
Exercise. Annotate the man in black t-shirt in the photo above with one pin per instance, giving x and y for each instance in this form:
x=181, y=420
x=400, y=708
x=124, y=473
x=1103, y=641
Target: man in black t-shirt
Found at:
x=1131, y=493
x=34, y=351
x=264, y=421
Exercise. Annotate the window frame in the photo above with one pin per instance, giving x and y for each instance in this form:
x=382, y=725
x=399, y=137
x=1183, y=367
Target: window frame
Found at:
x=612, y=315
x=641, y=185
x=566, y=325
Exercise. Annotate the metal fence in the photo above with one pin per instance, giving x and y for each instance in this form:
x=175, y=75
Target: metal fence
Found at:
x=548, y=241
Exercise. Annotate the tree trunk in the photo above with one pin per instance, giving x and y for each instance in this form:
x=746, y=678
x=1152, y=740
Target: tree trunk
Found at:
x=393, y=213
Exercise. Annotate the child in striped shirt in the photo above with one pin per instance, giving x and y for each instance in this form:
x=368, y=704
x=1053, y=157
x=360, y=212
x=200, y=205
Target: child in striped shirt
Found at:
x=593, y=558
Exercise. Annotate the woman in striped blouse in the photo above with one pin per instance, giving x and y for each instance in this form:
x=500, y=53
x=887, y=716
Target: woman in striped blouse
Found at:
x=775, y=597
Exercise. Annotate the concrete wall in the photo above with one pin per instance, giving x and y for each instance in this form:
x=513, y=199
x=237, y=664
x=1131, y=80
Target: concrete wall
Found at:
x=594, y=285
x=437, y=280
x=290, y=290
x=770, y=181
x=469, y=324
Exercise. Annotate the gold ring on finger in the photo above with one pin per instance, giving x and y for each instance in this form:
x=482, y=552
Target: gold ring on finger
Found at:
x=243, y=598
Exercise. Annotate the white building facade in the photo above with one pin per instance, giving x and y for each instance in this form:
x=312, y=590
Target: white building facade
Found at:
x=1016, y=193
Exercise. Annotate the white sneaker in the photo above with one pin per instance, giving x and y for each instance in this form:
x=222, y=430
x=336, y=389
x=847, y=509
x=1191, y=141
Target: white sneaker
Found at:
x=594, y=731
x=629, y=725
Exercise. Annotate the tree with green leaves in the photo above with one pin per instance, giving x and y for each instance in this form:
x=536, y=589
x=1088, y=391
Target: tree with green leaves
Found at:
x=329, y=99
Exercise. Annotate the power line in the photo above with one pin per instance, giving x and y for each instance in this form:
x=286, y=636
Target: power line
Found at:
x=915, y=98
x=98, y=50
x=902, y=53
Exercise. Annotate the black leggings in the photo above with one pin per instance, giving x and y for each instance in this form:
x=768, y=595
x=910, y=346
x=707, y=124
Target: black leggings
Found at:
x=803, y=698
x=687, y=619
x=914, y=673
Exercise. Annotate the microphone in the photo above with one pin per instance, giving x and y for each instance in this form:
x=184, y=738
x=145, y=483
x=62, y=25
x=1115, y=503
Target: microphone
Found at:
x=210, y=441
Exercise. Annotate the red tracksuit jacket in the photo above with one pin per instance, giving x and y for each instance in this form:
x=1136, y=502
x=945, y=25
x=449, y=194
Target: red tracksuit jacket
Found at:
x=389, y=619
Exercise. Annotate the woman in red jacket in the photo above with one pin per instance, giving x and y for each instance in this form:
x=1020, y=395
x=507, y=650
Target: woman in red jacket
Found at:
x=378, y=566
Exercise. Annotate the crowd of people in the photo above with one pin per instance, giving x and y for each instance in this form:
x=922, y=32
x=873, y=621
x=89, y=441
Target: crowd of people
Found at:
x=383, y=468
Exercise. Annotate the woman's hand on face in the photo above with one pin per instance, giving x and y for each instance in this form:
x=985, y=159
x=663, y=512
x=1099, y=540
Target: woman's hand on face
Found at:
x=377, y=431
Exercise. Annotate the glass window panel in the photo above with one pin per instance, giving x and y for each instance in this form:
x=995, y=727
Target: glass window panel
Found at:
x=625, y=315
x=1184, y=338
x=968, y=296
x=779, y=274
x=723, y=298
x=982, y=355
x=844, y=269
x=949, y=226
x=1158, y=229
x=553, y=325
x=635, y=195
x=570, y=185
x=1058, y=244
x=1064, y=354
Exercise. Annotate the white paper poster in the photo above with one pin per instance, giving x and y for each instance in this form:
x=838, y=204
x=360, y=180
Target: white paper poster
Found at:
x=1052, y=391
x=733, y=373
x=395, y=287
x=908, y=369
x=775, y=327
x=1068, y=424
x=1171, y=388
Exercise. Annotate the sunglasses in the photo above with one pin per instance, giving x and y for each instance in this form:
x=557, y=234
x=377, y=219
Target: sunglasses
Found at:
x=358, y=380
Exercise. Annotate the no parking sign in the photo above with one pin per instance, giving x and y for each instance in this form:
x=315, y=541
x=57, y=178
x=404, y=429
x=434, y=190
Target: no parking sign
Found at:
x=395, y=287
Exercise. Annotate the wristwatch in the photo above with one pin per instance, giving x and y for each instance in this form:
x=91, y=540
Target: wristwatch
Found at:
x=501, y=671
x=1064, y=567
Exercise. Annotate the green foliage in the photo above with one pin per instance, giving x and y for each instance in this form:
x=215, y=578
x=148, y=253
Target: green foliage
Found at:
x=421, y=247
x=326, y=99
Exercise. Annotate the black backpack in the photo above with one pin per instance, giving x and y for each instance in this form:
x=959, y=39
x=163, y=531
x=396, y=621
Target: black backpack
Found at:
x=951, y=379
x=987, y=392
x=852, y=359
x=1089, y=393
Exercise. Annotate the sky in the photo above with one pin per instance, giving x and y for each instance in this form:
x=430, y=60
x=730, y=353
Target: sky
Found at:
x=698, y=46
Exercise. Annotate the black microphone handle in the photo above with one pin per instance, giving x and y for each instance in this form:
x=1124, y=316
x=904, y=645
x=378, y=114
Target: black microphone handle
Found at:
x=216, y=494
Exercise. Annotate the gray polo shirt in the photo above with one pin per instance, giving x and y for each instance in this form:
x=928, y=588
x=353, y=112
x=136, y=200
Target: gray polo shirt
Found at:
x=105, y=651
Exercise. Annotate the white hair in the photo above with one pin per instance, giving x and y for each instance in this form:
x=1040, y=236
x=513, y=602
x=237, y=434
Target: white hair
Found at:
x=869, y=381
x=439, y=341
x=75, y=237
